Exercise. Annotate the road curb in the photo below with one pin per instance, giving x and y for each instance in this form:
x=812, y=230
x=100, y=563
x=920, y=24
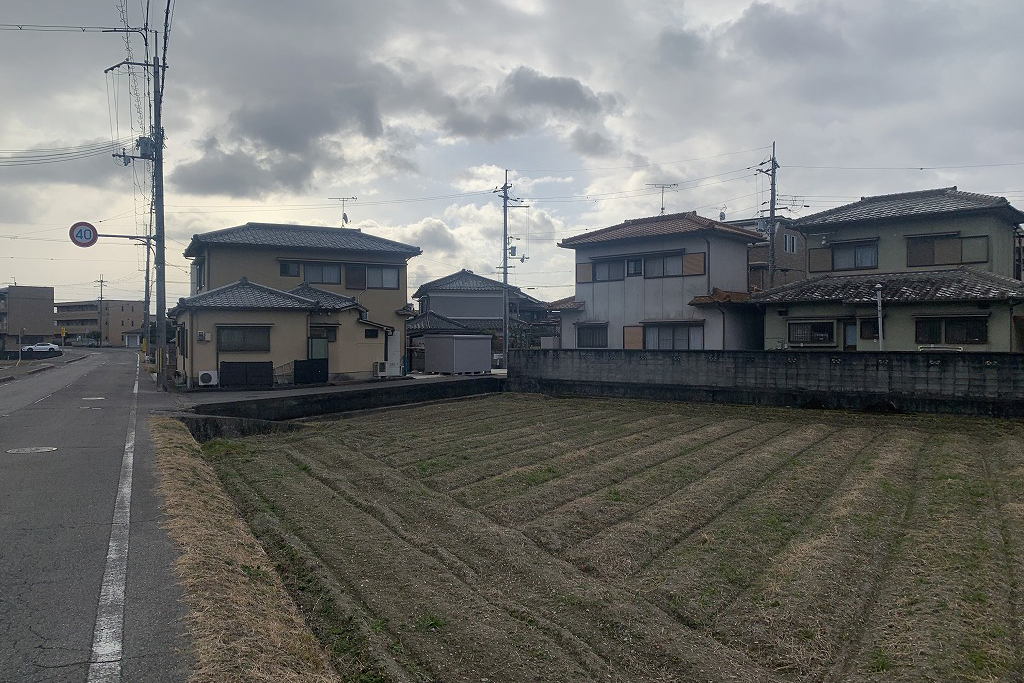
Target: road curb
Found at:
x=7, y=378
x=74, y=360
x=39, y=369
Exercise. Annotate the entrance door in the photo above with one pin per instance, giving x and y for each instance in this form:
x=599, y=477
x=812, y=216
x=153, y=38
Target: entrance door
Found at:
x=850, y=335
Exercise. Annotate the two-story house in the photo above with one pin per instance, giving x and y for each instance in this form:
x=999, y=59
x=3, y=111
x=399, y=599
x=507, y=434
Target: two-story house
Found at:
x=663, y=282
x=940, y=268
x=343, y=290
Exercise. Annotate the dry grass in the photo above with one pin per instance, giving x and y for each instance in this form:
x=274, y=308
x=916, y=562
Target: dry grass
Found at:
x=518, y=537
x=243, y=624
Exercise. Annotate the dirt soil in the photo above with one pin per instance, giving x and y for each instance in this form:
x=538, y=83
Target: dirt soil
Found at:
x=524, y=538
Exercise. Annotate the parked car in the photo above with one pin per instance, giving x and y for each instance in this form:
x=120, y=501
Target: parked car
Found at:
x=41, y=347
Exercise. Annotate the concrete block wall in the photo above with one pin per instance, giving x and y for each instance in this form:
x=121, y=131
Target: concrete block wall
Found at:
x=976, y=383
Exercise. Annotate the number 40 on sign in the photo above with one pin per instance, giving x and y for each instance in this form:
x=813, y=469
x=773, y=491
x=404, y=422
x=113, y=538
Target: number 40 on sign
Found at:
x=83, y=234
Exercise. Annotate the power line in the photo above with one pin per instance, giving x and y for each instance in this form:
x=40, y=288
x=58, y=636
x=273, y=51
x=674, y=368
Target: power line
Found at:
x=620, y=168
x=904, y=168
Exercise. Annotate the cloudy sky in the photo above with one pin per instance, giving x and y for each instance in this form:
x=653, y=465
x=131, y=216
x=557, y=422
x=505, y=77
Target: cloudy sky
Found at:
x=418, y=108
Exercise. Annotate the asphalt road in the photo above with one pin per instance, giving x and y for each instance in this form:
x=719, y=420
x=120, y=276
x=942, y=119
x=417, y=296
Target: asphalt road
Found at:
x=74, y=606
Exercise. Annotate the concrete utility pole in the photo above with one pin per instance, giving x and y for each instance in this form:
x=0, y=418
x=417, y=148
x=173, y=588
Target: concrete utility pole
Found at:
x=99, y=309
x=772, y=228
x=505, y=199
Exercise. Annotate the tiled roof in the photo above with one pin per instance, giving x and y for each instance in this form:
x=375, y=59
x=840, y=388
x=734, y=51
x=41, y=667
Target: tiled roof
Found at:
x=658, y=226
x=467, y=281
x=433, y=322
x=245, y=294
x=911, y=204
x=720, y=296
x=569, y=303
x=328, y=300
x=957, y=284
x=486, y=324
x=299, y=237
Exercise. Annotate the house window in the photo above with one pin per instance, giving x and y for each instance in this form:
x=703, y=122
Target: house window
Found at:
x=634, y=267
x=325, y=273
x=964, y=330
x=607, y=271
x=943, y=250
x=663, y=266
x=667, y=337
x=243, y=339
x=816, y=332
x=371, y=334
x=869, y=329
x=381, y=277
x=789, y=244
x=289, y=269
x=592, y=336
x=328, y=333
x=854, y=256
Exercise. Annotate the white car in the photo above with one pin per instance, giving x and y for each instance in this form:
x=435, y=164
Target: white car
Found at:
x=41, y=347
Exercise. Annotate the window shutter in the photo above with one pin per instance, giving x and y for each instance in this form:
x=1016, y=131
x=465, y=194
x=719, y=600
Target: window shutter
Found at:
x=632, y=337
x=355, y=277
x=947, y=251
x=975, y=249
x=584, y=272
x=693, y=264
x=819, y=260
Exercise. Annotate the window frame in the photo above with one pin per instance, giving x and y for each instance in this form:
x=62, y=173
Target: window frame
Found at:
x=608, y=264
x=788, y=239
x=855, y=247
x=676, y=330
x=285, y=268
x=322, y=265
x=830, y=341
x=652, y=272
x=252, y=339
x=598, y=330
x=634, y=267
x=372, y=272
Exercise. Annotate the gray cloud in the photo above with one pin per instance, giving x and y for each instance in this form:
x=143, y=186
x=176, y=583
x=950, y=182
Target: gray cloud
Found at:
x=528, y=88
x=591, y=143
x=239, y=174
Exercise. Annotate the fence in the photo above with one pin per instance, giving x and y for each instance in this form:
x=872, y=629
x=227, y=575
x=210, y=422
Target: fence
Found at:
x=966, y=383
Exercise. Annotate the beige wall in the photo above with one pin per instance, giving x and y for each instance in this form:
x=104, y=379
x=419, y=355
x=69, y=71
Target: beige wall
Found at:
x=351, y=356
x=892, y=241
x=899, y=324
x=227, y=264
x=119, y=316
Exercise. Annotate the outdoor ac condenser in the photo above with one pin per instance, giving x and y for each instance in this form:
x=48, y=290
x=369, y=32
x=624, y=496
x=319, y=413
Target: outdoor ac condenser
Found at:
x=209, y=378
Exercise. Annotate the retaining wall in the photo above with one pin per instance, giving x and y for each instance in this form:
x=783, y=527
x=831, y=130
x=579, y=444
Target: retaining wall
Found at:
x=975, y=383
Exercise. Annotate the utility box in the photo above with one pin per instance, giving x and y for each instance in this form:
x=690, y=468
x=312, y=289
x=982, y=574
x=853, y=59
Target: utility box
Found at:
x=456, y=354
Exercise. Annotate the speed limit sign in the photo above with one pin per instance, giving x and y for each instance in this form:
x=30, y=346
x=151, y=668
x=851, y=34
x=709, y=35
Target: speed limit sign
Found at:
x=83, y=234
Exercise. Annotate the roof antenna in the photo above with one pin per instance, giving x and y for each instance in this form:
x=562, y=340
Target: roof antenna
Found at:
x=344, y=216
x=663, y=187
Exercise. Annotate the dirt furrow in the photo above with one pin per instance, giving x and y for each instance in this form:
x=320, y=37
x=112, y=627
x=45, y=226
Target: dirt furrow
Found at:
x=639, y=642
x=521, y=497
x=447, y=628
x=810, y=600
x=703, y=574
x=943, y=613
x=625, y=549
x=578, y=520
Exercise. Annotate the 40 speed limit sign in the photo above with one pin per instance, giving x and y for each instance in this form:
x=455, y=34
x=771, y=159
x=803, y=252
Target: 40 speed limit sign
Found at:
x=84, y=234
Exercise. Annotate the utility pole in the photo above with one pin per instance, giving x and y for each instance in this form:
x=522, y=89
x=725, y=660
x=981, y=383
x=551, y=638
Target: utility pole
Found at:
x=503, y=191
x=99, y=308
x=663, y=186
x=344, y=216
x=774, y=166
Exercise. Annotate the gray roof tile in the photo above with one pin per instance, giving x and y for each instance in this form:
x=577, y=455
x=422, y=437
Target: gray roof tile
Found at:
x=468, y=281
x=327, y=300
x=920, y=204
x=659, y=226
x=246, y=294
x=433, y=322
x=300, y=237
x=957, y=284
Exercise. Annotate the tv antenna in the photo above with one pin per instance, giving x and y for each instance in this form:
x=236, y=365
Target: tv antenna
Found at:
x=344, y=216
x=663, y=187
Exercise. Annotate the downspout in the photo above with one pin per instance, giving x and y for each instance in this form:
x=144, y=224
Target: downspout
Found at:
x=707, y=271
x=720, y=310
x=1013, y=305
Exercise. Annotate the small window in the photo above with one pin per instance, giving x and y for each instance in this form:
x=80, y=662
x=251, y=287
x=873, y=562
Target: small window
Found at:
x=243, y=339
x=371, y=333
x=289, y=269
x=869, y=329
x=323, y=273
x=966, y=330
x=634, y=267
x=789, y=245
x=854, y=256
x=663, y=266
x=607, y=271
x=592, y=337
x=328, y=333
x=928, y=331
x=673, y=337
x=381, y=277
x=823, y=333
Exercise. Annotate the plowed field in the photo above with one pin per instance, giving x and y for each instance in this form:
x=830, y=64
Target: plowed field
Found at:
x=524, y=538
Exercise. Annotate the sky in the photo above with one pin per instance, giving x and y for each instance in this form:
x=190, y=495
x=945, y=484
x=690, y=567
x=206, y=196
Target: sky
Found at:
x=418, y=109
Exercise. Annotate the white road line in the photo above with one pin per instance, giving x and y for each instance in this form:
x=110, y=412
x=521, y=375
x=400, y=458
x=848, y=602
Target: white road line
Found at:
x=105, y=663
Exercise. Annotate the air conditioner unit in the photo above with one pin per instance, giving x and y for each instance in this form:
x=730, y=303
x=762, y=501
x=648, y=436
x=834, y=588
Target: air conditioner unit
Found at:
x=209, y=378
x=202, y=336
x=380, y=368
